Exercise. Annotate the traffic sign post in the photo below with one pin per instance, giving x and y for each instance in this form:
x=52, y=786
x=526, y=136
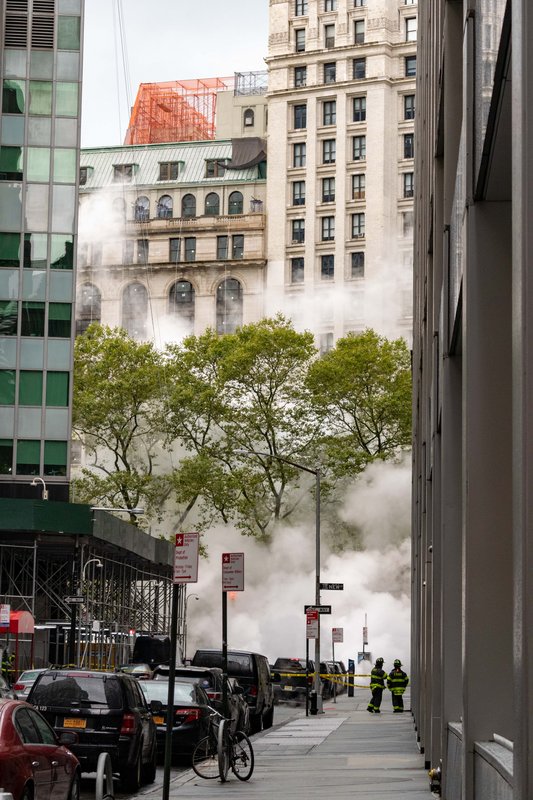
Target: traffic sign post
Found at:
x=232, y=581
x=320, y=609
x=186, y=558
x=335, y=586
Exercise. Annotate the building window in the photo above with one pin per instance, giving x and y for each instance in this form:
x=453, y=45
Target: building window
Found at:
x=59, y=320
x=174, y=250
x=88, y=308
x=408, y=184
x=326, y=343
x=298, y=151
x=330, y=5
x=300, y=8
x=128, y=250
x=328, y=229
x=215, y=168
x=358, y=186
x=181, y=301
x=359, y=3
x=237, y=246
x=359, y=109
x=328, y=190
x=329, y=112
x=122, y=173
x=359, y=148
x=55, y=458
x=408, y=145
x=409, y=106
x=297, y=270
x=300, y=116
x=57, y=384
x=299, y=40
x=6, y=456
x=298, y=193
x=298, y=231
x=409, y=2
x=329, y=36
x=235, y=203
x=190, y=248
x=359, y=68
x=329, y=148
x=169, y=170
x=300, y=76
x=248, y=118
x=142, y=209
x=222, y=248
x=212, y=205
x=330, y=72
x=165, y=207
x=327, y=267
x=188, y=206
x=135, y=310
x=410, y=66
x=407, y=223
x=83, y=175
x=358, y=264
x=28, y=457
x=229, y=306
x=410, y=29
x=142, y=251
x=359, y=31
x=358, y=225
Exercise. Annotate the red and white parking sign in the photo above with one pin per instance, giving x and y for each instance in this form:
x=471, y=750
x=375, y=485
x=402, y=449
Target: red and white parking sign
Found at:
x=337, y=635
x=311, y=623
x=232, y=572
x=186, y=558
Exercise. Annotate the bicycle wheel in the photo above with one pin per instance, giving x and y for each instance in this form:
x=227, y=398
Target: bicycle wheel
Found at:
x=223, y=750
x=242, y=756
x=205, y=758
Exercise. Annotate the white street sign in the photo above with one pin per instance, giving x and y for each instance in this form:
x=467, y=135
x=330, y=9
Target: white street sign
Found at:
x=5, y=610
x=186, y=558
x=232, y=572
x=311, y=623
x=337, y=635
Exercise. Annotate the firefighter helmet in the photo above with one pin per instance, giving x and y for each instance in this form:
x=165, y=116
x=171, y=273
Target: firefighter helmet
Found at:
x=379, y=661
x=397, y=662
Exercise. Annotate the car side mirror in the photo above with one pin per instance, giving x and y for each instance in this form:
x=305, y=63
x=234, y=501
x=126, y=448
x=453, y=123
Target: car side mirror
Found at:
x=156, y=706
x=68, y=738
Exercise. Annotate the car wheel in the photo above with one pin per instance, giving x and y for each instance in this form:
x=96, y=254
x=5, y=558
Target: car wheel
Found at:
x=74, y=793
x=130, y=776
x=150, y=769
x=268, y=718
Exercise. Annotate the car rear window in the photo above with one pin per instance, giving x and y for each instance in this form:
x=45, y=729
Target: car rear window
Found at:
x=238, y=663
x=68, y=690
x=158, y=690
x=288, y=664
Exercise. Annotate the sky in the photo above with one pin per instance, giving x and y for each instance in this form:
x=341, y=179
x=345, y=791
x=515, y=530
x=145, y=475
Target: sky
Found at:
x=164, y=41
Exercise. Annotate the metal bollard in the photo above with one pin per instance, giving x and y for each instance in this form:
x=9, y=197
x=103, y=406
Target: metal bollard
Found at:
x=104, y=778
x=313, y=706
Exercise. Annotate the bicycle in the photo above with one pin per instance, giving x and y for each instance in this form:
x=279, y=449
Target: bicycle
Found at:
x=221, y=750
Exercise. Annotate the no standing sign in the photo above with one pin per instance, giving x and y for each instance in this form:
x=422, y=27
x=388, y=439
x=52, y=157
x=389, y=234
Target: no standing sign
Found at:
x=186, y=558
x=233, y=572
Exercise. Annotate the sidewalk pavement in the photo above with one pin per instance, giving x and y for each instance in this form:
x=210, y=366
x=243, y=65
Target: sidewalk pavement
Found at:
x=345, y=753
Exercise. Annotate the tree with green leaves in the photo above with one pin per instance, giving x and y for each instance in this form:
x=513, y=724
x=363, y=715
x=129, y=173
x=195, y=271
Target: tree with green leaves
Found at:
x=116, y=414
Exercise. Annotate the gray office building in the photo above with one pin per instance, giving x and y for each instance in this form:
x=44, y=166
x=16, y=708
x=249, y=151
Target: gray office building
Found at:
x=472, y=592
x=41, y=62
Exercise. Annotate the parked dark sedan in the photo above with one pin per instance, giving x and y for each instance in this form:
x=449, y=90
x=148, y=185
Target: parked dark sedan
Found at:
x=34, y=761
x=110, y=715
x=191, y=715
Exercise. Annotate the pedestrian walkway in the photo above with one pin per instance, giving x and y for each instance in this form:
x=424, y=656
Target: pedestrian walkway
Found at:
x=345, y=753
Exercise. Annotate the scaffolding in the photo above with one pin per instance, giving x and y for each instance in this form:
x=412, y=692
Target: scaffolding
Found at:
x=176, y=111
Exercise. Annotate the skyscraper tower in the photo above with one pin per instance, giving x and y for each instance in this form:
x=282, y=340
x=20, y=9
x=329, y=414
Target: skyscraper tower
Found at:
x=41, y=60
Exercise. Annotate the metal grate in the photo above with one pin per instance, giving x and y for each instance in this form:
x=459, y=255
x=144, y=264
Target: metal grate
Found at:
x=42, y=32
x=43, y=6
x=16, y=31
x=20, y=6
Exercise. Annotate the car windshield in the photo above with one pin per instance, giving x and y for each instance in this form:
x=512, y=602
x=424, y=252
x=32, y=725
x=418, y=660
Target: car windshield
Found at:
x=72, y=689
x=158, y=690
x=29, y=675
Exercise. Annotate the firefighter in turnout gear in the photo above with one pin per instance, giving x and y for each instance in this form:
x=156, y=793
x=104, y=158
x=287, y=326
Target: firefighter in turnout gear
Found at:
x=377, y=684
x=397, y=681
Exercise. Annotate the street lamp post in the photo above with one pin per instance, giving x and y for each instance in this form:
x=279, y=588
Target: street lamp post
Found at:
x=45, y=490
x=187, y=598
x=316, y=473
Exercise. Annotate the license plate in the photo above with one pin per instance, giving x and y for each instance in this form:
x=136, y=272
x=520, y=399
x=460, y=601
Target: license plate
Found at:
x=159, y=720
x=74, y=722
x=287, y=688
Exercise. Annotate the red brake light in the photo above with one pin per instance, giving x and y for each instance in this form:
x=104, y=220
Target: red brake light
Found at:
x=18, y=687
x=252, y=691
x=214, y=695
x=128, y=725
x=187, y=714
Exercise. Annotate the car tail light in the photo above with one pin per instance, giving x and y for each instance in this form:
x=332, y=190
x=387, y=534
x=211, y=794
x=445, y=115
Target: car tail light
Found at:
x=129, y=725
x=214, y=695
x=18, y=687
x=252, y=691
x=187, y=715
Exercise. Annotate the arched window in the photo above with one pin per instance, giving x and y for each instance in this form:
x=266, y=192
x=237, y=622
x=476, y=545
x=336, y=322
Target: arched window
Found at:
x=164, y=207
x=229, y=306
x=188, y=206
x=88, y=306
x=248, y=117
x=181, y=301
x=212, y=204
x=235, y=203
x=119, y=208
x=142, y=209
x=135, y=310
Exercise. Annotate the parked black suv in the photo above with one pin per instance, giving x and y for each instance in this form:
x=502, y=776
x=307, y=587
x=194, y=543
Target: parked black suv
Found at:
x=252, y=671
x=109, y=713
x=290, y=679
